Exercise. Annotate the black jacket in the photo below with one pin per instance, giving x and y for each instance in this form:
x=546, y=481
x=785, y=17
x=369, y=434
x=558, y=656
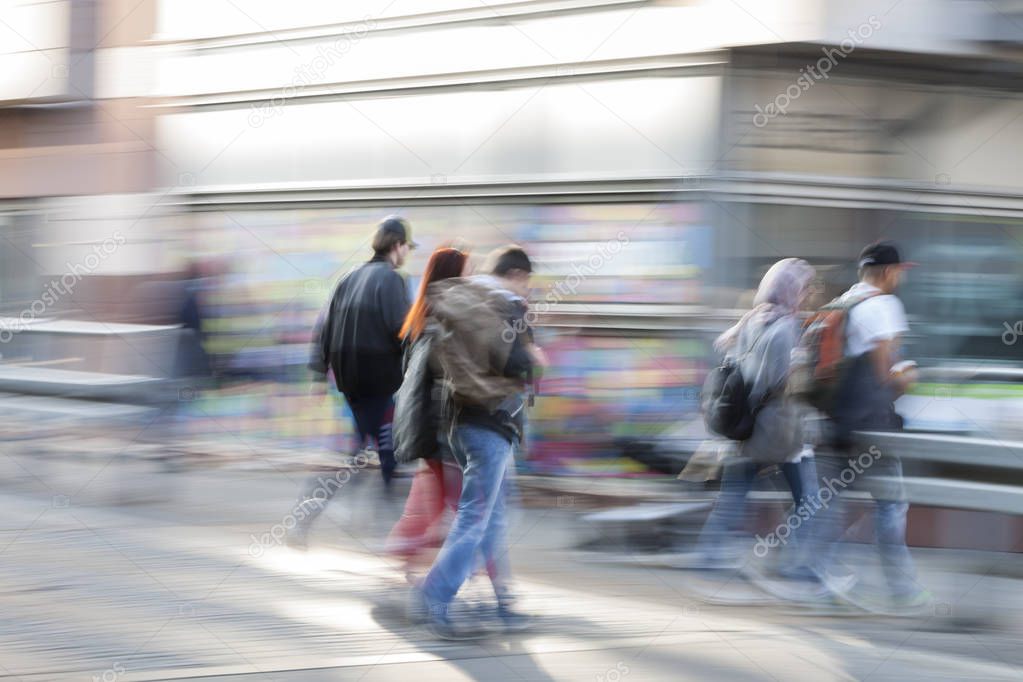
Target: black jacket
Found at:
x=357, y=336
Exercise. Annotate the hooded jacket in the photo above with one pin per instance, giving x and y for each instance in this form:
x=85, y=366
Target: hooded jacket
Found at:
x=357, y=335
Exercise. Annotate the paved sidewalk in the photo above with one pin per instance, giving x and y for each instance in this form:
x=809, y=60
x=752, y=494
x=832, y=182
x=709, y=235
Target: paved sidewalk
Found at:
x=122, y=568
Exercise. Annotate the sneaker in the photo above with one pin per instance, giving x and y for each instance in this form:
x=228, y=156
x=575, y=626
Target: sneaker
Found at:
x=913, y=602
x=838, y=585
x=441, y=625
x=416, y=610
x=799, y=573
x=790, y=586
x=436, y=617
x=510, y=620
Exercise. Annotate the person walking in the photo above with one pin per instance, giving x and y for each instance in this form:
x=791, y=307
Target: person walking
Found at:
x=437, y=484
x=761, y=343
x=486, y=351
x=358, y=341
x=873, y=379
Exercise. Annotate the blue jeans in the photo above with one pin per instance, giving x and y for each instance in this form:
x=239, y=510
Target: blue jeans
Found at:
x=481, y=522
x=729, y=514
x=889, y=520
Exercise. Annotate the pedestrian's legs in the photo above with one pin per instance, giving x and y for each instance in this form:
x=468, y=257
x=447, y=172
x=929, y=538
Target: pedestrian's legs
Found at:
x=425, y=503
x=884, y=481
x=451, y=474
x=450, y=484
x=385, y=444
x=373, y=416
x=790, y=470
x=728, y=513
x=890, y=530
x=317, y=491
x=486, y=455
x=802, y=480
x=828, y=512
x=495, y=541
x=808, y=475
x=359, y=420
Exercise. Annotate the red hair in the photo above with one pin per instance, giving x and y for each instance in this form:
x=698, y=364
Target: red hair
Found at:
x=444, y=263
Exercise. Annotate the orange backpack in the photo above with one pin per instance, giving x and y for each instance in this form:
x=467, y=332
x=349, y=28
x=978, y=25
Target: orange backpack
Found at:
x=819, y=361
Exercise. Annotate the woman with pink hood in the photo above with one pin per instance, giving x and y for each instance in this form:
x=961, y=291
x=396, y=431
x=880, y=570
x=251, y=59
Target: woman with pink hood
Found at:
x=762, y=343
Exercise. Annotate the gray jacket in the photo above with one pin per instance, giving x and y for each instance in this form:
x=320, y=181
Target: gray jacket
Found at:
x=764, y=356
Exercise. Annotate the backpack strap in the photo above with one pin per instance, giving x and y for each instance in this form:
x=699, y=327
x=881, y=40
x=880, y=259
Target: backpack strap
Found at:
x=839, y=304
x=756, y=340
x=848, y=307
x=770, y=393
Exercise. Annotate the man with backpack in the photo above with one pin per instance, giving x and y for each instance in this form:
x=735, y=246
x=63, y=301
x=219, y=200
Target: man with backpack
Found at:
x=485, y=349
x=866, y=326
x=358, y=340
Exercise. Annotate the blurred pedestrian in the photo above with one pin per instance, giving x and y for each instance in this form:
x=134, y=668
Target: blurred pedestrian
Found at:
x=438, y=483
x=358, y=340
x=865, y=401
x=191, y=359
x=761, y=344
x=487, y=355
x=184, y=305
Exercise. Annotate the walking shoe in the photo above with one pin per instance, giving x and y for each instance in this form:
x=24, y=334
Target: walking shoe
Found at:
x=838, y=585
x=801, y=573
x=442, y=626
x=509, y=620
x=913, y=602
x=416, y=610
x=436, y=617
x=841, y=585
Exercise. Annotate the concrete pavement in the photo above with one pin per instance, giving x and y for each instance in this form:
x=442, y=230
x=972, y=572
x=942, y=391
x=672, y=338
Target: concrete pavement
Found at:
x=116, y=569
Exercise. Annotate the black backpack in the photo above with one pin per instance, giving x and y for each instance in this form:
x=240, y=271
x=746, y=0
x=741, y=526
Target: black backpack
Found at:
x=725, y=399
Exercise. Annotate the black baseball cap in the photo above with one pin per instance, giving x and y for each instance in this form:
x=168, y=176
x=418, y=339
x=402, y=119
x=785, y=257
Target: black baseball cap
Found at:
x=882, y=253
x=399, y=227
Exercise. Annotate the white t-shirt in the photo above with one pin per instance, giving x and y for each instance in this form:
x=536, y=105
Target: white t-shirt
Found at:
x=877, y=319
